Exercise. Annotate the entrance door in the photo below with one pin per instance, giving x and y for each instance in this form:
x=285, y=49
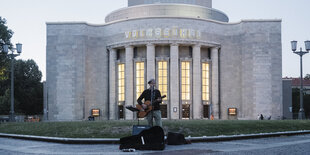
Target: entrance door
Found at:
x=206, y=111
x=186, y=111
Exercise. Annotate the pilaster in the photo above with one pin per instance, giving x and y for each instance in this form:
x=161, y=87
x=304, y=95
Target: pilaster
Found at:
x=215, y=82
x=174, y=82
x=112, y=84
x=197, y=105
x=150, y=56
x=129, y=91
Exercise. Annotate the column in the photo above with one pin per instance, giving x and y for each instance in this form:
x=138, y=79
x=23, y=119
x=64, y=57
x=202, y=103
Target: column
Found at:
x=112, y=85
x=129, y=91
x=215, y=82
x=197, y=106
x=174, y=82
x=150, y=57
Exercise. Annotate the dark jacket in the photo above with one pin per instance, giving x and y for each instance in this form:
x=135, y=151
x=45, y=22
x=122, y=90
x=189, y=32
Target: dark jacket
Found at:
x=146, y=95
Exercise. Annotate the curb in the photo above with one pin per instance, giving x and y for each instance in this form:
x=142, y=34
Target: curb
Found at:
x=64, y=140
x=116, y=140
x=245, y=136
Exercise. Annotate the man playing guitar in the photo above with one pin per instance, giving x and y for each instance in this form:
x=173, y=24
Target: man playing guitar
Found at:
x=153, y=95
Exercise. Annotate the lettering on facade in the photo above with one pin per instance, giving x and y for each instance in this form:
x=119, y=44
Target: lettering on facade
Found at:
x=163, y=33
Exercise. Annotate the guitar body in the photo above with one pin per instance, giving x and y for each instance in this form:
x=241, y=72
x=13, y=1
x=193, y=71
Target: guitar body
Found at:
x=143, y=112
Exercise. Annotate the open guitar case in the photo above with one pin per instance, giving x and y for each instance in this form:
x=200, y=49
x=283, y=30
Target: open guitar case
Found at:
x=143, y=137
x=148, y=139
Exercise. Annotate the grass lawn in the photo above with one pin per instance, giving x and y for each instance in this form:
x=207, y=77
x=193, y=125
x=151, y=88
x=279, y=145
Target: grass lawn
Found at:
x=121, y=128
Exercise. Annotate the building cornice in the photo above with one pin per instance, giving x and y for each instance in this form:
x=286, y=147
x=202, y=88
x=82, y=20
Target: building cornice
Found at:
x=163, y=41
x=207, y=20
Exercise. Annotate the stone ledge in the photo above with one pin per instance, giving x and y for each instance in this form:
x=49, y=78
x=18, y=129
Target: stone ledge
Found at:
x=116, y=140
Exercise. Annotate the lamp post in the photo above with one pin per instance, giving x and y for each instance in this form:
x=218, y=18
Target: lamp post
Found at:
x=12, y=55
x=301, y=113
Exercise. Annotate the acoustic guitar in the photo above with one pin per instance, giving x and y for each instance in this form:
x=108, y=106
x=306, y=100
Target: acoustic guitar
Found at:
x=143, y=112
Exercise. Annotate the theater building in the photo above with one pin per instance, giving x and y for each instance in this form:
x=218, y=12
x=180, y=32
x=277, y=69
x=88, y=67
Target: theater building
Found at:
x=202, y=62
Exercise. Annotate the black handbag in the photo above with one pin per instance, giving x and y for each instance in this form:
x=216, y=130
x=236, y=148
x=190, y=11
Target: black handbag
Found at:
x=176, y=139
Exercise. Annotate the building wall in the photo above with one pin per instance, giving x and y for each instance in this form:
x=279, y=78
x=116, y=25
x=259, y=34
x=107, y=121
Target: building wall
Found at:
x=97, y=73
x=287, y=99
x=249, y=75
x=65, y=60
x=263, y=70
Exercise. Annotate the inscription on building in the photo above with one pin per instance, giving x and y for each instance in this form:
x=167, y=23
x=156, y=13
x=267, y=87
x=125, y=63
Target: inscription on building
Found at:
x=163, y=33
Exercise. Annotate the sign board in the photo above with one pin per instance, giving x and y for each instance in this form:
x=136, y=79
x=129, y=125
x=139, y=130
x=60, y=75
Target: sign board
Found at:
x=232, y=111
x=95, y=112
x=173, y=32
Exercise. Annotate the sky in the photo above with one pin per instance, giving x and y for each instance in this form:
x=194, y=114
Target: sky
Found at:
x=27, y=19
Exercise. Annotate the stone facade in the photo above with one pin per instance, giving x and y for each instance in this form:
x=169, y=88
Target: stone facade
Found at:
x=245, y=66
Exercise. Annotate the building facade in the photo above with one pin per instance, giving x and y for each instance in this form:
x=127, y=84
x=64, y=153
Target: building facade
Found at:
x=204, y=64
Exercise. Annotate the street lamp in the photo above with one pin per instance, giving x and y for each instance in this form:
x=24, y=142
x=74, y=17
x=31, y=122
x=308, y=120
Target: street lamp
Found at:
x=12, y=55
x=301, y=113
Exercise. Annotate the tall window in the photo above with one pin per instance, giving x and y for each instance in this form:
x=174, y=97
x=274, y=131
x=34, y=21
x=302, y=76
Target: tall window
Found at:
x=205, y=82
x=163, y=78
x=185, y=80
x=121, y=82
x=139, y=78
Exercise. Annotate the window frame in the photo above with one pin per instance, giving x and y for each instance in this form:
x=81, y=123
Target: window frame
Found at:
x=138, y=60
x=190, y=101
x=207, y=102
x=166, y=101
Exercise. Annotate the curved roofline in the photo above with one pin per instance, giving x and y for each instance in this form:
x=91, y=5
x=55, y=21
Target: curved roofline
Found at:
x=164, y=4
x=208, y=20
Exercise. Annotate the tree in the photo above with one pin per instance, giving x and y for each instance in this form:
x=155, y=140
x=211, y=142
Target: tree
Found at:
x=5, y=33
x=4, y=103
x=5, y=37
x=27, y=81
x=307, y=77
x=28, y=88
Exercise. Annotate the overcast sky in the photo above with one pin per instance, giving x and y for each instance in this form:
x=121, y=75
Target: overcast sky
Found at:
x=27, y=19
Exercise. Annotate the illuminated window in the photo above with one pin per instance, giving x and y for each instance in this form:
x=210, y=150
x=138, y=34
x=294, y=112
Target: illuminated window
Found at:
x=121, y=82
x=139, y=78
x=205, y=82
x=185, y=80
x=163, y=78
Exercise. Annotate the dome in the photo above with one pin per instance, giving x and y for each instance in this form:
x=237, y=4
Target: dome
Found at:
x=204, y=3
x=200, y=9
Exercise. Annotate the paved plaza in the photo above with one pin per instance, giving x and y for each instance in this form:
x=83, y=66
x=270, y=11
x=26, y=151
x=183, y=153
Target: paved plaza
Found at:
x=275, y=145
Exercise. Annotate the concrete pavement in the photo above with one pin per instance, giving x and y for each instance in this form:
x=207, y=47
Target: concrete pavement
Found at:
x=116, y=140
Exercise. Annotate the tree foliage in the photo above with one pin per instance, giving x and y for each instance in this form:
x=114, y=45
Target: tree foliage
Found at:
x=5, y=33
x=307, y=77
x=5, y=38
x=296, y=103
x=28, y=89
